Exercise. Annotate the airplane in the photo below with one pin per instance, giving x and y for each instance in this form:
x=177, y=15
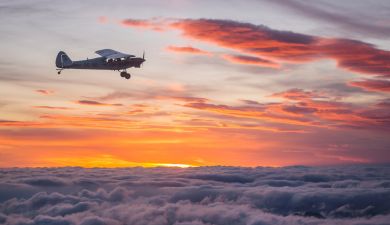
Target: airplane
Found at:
x=109, y=60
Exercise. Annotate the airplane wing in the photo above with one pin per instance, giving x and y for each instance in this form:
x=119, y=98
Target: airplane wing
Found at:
x=112, y=54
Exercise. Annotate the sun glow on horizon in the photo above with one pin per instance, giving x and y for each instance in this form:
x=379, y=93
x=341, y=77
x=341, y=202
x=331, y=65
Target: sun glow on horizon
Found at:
x=106, y=161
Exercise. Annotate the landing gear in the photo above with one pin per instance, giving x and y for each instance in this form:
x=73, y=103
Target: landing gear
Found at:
x=59, y=71
x=125, y=75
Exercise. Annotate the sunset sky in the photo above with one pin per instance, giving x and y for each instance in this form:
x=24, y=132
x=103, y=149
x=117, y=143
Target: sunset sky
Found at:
x=225, y=82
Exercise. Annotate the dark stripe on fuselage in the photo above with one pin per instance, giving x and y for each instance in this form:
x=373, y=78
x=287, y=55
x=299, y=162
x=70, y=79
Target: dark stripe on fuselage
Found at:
x=100, y=63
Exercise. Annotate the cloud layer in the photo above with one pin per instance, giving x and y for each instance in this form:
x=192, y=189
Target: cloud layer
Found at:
x=198, y=196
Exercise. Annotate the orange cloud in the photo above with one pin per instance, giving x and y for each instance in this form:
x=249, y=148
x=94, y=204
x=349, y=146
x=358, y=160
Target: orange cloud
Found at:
x=51, y=107
x=187, y=49
x=137, y=23
x=303, y=108
x=144, y=134
x=260, y=113
x=153, y=24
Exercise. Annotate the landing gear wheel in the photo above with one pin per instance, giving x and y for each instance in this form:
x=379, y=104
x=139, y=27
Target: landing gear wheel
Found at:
x=125, y=75
x=59, y=72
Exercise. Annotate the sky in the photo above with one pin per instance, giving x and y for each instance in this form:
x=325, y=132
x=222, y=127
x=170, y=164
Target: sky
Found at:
x=240, y=83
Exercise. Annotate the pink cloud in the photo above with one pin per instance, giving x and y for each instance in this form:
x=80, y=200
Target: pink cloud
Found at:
x=298, y=94
x=250, y=60
x=103, y=20
x=284, y=46
x=187, y=49
x=372, y=85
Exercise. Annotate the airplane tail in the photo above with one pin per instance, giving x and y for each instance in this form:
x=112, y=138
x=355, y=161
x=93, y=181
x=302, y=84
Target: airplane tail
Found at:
x=63, y=60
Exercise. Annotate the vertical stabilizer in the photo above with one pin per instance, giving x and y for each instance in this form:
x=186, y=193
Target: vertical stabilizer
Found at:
x=63, y=60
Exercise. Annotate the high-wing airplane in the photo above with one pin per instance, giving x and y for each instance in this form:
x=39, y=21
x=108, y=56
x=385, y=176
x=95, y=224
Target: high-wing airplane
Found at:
x=109, y=60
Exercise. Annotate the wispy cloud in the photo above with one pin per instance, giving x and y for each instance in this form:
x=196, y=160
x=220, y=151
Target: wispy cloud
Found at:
x=51, y=107
x=45, y=92
x=305, y=108
x=250, y=60
x=298, y=94
x=96, y=103
x=372, y=85
x=338, y=16
x=187, y=49
x=153, y=24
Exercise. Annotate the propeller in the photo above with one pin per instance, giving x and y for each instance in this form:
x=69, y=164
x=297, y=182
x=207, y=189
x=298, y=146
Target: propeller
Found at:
x=143, y=58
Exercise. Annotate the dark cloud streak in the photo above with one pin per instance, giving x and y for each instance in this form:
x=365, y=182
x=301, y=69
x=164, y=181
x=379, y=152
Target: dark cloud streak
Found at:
x=337, y=16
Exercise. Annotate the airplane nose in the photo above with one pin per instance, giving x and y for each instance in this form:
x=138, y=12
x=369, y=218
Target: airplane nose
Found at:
x=142, y=61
